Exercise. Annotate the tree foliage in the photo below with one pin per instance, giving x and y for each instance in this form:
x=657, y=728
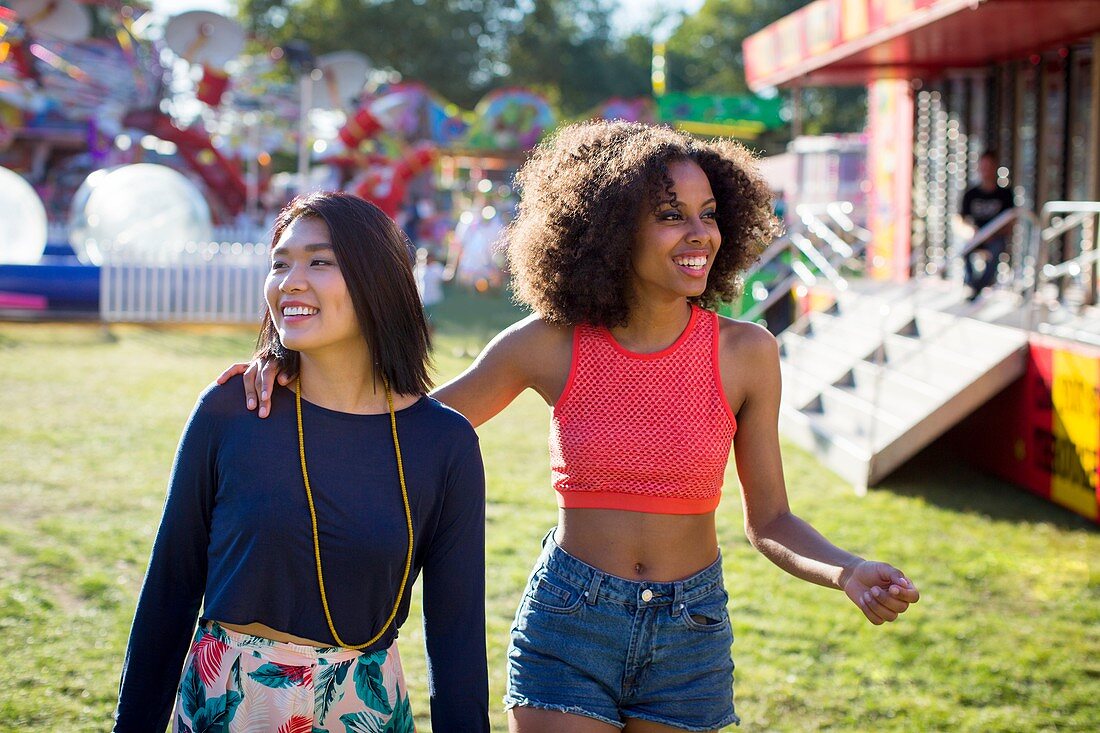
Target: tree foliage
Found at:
x=704, y=55
x=565, y=49
x=453, y=46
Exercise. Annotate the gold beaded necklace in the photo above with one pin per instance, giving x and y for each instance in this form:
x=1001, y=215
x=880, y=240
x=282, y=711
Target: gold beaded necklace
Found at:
x=313, y=519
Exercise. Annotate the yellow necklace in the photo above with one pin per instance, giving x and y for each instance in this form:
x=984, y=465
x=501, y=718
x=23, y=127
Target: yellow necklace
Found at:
x=313, y=519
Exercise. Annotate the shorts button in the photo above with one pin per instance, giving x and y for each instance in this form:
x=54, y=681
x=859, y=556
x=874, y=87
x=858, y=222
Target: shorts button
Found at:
x=647, y=595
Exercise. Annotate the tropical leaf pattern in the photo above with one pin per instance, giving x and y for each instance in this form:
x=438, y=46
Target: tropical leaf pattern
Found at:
x=280, y=676
x=208, y=652
x=361, y=722
x=297, y=724
x=234, y=683
x=402, y=719
x=329, y=687
x=369, y=685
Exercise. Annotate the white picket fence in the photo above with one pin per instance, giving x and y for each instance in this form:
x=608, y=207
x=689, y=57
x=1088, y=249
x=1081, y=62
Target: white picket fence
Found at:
x=217, y=282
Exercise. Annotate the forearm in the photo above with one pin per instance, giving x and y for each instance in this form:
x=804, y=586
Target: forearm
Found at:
x=802, y=551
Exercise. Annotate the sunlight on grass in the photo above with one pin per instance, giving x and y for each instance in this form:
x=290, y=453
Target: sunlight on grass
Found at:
x=1003, y=640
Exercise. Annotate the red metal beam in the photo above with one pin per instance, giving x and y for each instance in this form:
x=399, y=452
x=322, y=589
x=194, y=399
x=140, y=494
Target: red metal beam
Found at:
x=939, y=35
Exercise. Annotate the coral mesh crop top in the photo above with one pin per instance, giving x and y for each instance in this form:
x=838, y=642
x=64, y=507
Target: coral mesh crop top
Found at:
x=642, y=432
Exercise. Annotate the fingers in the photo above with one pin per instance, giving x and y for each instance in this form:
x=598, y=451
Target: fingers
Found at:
x=864, y=603
x=879, y=607
x=231, y=372
x=907, y=593
x=250, y=385
x=898, y=585
x=266, y=380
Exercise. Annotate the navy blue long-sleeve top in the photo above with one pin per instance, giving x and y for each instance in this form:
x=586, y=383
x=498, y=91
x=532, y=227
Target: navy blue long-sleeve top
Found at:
x=235, y=540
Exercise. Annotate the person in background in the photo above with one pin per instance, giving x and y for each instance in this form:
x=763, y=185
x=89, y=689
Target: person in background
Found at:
x=429, y=283
x=300, y=536
x=627, y=237
x=982, y=204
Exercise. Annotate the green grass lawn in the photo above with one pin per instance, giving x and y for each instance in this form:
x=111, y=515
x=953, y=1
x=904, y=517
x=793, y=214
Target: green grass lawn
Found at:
x=1006, y=637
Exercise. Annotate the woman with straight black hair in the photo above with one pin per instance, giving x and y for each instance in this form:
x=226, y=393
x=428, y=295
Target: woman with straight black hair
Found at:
x=300, y=537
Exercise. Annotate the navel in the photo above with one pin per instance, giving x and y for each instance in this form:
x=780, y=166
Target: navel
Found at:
x=639, y=569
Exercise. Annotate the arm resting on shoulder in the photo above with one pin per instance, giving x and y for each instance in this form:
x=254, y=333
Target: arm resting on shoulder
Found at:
x=519, y=357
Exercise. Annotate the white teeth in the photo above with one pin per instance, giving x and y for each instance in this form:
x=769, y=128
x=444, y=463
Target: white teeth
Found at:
x=695, y=263
x=299, y=310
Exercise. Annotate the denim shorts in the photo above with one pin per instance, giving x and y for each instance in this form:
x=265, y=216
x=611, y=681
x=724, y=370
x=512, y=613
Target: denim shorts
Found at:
x=604, y=647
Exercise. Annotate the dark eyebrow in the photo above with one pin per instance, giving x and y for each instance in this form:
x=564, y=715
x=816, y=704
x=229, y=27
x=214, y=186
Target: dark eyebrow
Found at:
x=677, y=203
x=315, y=247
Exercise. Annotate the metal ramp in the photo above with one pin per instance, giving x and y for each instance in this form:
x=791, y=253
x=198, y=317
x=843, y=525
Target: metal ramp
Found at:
x=889, y=368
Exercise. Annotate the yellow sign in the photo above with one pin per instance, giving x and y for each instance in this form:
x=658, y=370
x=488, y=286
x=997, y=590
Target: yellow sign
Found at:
x=1075, y=395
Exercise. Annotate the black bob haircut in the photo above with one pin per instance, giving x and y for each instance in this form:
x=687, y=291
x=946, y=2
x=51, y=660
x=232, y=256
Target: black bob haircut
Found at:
x=373, y=257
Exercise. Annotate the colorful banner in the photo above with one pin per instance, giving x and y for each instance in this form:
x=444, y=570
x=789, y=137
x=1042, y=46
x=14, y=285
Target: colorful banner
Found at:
x=1043, y=433
x=890, y=169
x=822, y=26
x=744, y=116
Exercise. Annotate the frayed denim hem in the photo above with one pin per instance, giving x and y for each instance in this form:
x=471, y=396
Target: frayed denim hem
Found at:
x=730, y=719
x=570, y=709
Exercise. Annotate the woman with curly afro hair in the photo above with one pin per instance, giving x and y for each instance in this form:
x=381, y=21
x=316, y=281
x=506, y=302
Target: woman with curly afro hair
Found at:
x=627, y=236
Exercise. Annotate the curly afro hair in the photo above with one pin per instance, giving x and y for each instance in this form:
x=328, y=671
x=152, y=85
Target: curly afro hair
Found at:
x=582, y=194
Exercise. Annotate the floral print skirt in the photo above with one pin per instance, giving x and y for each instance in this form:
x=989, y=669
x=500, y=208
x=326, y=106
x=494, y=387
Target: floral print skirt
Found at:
x=236, y=683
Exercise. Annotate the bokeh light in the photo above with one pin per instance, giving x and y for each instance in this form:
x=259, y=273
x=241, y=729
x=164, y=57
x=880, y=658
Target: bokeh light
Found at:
x=139, y=208
x=23, y=224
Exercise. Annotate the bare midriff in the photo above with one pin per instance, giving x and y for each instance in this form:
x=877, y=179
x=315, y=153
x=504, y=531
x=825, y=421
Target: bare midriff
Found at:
x=257, y=629
x=637, y=545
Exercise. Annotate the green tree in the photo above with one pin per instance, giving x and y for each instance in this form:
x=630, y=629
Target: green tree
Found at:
x=704, y=55
x=454, y=46
x=566, y=49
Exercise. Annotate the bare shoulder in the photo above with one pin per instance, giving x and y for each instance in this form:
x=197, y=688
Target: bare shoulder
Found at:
x=746, y=342
x=530, y=342
x=535, y=331
x=748, y=357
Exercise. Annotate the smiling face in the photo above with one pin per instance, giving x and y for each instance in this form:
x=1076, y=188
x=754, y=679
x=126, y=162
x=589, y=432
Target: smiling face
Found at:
x=677, y=241
x=307, y=296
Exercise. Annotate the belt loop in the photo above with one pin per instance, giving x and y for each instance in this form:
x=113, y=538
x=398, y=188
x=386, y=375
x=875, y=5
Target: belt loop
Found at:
x=591, y=594
x=677, y=597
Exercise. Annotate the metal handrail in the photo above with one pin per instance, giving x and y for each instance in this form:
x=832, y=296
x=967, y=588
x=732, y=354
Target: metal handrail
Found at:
x=1081, y=211
x=994, y=227
x=806, y=247
x=815, y=220
x=780, y=245
x=777, y=292
x=1070, y=222
x=838, y=211
x=1072, y=267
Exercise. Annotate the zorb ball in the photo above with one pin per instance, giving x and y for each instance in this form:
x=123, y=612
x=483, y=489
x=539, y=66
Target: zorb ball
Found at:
x=22, y=221
x=138, y=209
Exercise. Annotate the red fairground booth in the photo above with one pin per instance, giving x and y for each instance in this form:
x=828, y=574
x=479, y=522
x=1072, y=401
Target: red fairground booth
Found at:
x=948, y=80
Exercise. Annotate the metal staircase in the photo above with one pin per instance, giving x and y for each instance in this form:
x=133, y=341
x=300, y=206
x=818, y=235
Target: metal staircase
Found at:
x=890, y=367
x=875, y=379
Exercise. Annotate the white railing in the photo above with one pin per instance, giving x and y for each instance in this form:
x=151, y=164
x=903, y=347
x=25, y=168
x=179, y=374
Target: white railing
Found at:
x=843, y=244
x=205, y=283
x=944, y=265
x=1059, y=218
x=246, y=232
